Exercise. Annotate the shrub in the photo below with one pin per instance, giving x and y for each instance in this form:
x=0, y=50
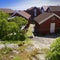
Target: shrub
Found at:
x=54, y=53
x=17, y=37
x=11, y=30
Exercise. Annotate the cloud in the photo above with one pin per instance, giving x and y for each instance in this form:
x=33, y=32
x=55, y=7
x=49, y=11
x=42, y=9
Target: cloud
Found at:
x=54, y=0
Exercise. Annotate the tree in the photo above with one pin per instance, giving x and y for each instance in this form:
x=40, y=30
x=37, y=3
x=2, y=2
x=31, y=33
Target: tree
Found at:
x=3, y=27
x=3, y=15
x=54, y=53
x=20, y=21
x=11, y=30
x=7, y=28
x=12, y=27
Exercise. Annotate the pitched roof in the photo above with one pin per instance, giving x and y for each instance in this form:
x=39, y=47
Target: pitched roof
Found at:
x=44, y=7
x=6, y=10
x=45, y=16
x=33, y=8
x=23, y=13
x=54, y=8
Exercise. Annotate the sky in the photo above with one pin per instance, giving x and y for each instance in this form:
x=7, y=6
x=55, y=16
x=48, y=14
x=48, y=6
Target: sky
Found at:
x=25, y=4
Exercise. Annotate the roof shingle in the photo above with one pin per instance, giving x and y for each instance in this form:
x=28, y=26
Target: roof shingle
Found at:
x=22, y=13
x=25, y=14
x=54, y=8
x=44, y=16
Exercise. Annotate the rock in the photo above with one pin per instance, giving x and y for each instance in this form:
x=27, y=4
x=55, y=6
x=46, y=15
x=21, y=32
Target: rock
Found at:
x=15, y=51
x=12, y=56
x=30, y=48
x=40, y=56
x=2, y=46
x=14, y=46
x=32, y=58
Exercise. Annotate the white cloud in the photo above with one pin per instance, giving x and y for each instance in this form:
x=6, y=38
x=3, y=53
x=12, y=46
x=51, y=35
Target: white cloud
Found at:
x=30, y=3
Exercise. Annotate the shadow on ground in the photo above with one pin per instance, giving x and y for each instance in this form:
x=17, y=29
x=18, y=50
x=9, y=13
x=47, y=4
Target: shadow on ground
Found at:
x=55, y=35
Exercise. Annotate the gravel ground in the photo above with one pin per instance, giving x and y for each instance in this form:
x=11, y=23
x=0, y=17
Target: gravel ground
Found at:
x=42, y=42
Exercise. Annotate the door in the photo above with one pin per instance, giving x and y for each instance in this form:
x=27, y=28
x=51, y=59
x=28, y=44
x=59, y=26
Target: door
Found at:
x=52, y=28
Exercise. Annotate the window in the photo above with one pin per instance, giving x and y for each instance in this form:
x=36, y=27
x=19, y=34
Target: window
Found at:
x=35, y=12
x=42, y=11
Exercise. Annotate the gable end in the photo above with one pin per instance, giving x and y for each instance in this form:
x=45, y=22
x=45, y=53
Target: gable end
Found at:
x=49, y=18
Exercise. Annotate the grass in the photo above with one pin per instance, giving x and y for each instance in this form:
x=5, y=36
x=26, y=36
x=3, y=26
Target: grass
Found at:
x=17, y=58
x=5, y=53
x=44, y=50
x=27, y=55
x=23, y=54
x=29, y=32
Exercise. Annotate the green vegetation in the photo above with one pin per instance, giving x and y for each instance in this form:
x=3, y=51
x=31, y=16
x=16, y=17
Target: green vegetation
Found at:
x=11, y=33
x=17, y=58
x=5, y=53
x=54, y=53
x=3, y=15
x=30, y=32
x=19, y=21
x=12, y=30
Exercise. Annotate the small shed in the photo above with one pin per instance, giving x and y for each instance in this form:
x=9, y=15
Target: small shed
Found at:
x=54, y=9
x=21, y=14
x=34, y=11
x=47, y=23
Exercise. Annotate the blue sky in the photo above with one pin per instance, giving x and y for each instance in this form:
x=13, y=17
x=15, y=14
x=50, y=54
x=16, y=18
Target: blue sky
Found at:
x=24, y=4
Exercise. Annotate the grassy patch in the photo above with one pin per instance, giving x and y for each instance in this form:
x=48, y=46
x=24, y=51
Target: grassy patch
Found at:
x=17, y=58
x=8, y=54
x=29, y=32
x=44, y=51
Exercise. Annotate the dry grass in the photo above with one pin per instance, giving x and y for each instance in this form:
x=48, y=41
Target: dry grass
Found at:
x=30, y=30
x=23, y=54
